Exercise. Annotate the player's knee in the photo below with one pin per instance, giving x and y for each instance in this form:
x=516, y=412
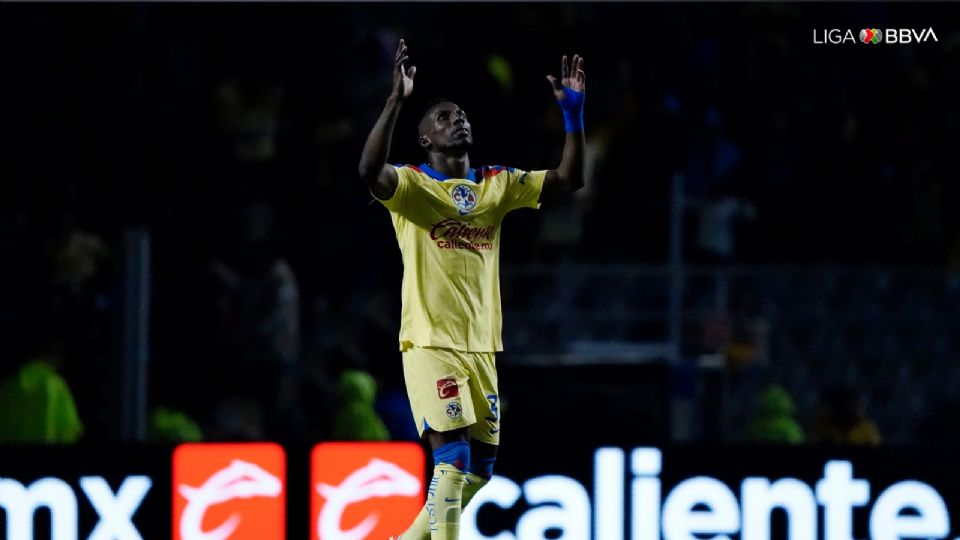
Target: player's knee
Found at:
x=483, y=467
x=455, y=453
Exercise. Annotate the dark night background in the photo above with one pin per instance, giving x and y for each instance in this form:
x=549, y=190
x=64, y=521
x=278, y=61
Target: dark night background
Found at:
x=231, y=134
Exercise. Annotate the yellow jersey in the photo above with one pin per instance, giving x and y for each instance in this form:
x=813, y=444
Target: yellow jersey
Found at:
x=448, y=230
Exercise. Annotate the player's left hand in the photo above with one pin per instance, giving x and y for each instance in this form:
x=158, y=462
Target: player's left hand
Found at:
x=571, y=76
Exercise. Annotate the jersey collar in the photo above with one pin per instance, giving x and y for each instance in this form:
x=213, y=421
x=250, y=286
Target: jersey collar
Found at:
x=437, y=175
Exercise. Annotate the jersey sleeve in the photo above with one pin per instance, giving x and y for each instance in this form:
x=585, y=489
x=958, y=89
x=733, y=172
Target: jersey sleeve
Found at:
x=405, y=183
x=524, y=188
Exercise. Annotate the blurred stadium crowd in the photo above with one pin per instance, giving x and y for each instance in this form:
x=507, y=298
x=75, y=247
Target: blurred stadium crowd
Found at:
x=232, y=133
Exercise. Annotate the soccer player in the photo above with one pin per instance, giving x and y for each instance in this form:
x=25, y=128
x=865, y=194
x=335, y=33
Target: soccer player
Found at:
x=447, y=217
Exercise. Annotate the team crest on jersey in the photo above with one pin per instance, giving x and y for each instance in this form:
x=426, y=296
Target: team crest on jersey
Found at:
x=454, y=410
x=464, y=198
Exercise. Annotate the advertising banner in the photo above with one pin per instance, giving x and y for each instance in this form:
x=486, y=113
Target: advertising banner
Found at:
x=235, y=491
x=369, y=491
x=70, y=493
x=748, y=493
x=365, y=490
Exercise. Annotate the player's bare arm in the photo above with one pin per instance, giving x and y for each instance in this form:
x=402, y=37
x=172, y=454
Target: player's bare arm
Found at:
x=569, y=91
x=380, y=178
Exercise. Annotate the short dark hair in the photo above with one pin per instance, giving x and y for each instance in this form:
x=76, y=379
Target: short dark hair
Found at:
x=433, y=103
x=429, y=107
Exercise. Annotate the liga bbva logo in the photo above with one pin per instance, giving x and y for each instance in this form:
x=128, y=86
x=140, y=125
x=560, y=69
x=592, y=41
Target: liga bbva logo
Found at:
x=364, y=491
x=873, y=36
x=229, y=492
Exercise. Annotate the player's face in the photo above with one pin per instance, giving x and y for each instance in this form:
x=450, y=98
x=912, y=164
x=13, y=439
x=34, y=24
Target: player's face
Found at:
x=447, y=127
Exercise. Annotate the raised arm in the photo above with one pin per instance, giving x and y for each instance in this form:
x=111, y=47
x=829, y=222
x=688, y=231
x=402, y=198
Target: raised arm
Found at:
x=380, y=178
x=570, y=91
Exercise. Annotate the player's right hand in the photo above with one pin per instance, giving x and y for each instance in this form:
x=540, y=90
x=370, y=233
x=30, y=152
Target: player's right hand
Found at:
x=402, y=76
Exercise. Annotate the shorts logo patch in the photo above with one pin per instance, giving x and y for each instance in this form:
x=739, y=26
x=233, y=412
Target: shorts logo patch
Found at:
x=454, y=410
x=447, y=388
x=464, y=198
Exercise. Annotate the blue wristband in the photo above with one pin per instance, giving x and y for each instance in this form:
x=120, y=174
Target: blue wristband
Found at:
x=572, y=107
x=572, y=122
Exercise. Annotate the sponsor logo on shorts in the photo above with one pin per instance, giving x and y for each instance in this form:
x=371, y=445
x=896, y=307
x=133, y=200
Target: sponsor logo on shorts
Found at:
x=447, y=388
x=454, y=410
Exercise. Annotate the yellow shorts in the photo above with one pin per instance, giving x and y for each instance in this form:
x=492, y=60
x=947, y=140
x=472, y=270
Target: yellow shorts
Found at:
x=451, y=389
